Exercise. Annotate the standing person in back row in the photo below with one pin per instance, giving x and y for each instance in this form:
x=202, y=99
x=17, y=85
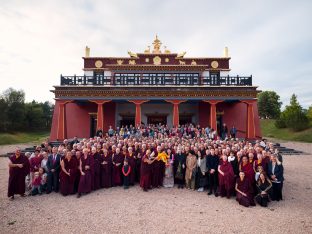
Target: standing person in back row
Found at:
x=53, y=172
x=224, y=131
x=19, y=169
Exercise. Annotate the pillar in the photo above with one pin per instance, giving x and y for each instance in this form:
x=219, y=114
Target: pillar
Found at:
x=61, y=123
x=251, y=127
x=175, y=119
x=100, y=113
x=213, y=112
x=138, y=118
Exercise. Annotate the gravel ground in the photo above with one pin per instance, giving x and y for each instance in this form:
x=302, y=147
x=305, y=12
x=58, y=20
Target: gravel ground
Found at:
x=4, y=149
x=160, y=211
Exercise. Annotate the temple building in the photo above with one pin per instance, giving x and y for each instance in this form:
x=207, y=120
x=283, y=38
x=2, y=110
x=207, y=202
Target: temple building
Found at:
x=156, y=86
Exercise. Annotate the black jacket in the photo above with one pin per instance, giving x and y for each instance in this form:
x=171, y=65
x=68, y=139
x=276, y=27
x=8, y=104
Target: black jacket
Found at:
x=212, y=162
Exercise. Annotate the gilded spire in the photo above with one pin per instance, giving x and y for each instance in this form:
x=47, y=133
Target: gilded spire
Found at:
x=87, y=52
x=157, y=43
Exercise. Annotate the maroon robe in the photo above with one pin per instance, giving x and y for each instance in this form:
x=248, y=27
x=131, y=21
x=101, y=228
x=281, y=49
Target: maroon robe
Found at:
x=244, y=186
x=17, y=175
x=226, y=181
x=249, y=172
x=106, y=171
x=67, y=181
x=145, y=180
x=117, y=173
x=85, y=182
x=131, y=162
x=35, y=163
x=97, y=171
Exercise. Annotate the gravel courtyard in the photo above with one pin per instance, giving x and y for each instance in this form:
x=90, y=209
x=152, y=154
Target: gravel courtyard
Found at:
x=162, y=210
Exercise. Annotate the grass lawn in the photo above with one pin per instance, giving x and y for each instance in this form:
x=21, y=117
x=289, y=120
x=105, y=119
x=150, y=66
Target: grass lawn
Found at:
x=23, y=137
x=268, y=129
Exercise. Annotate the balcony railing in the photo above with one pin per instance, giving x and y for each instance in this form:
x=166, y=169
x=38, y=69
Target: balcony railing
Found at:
x=164, y=80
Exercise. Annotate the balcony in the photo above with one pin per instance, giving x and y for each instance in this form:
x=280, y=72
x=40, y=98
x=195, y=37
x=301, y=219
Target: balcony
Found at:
x=159, y=80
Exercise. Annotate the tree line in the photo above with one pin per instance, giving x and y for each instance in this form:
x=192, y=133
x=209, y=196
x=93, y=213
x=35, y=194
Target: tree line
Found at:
x=294, y=116
x=18, y=115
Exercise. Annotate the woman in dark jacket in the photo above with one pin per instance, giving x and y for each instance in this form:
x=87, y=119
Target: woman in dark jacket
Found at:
x=276, y=175
x=264, y=186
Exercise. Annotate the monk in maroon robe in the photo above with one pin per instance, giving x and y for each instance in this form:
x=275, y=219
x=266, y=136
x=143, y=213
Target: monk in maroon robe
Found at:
x=145, y=180
x=247, y=168
x=96, y=182
x=68, y=174
x=77, y=157
x=86, y=171
x=35, y=161
x=106, y=169
x=117, y=159
x=243, y=188
x=131, y=162
x=19, y=168
x=226, y=178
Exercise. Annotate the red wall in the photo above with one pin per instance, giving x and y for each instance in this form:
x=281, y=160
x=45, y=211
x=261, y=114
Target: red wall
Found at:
x=77, y=119
x=236, y=114
x=53, y=132
x=109, y=115
x=204, y=114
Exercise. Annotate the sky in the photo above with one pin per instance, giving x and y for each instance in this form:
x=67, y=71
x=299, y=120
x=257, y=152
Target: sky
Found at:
x=270, y=40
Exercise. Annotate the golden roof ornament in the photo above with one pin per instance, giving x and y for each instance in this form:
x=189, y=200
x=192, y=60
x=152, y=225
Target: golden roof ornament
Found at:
x=157, y=43
x=181, y=55
x=166, y=50
x=87, y=52
x=132, y=55
x=148, y=50
x=226, y=52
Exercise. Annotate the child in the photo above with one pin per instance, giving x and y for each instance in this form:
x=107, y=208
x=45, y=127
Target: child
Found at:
x=36, y=184
x=126, y=169
x=43, y=176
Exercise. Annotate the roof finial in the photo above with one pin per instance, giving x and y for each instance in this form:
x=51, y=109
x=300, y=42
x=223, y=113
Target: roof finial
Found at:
x=157, y=43
x=87, y=52
x=226, y=52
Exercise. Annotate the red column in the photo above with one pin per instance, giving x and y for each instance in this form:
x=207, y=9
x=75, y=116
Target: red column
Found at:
x=61, y=124
x=175, y=119
x=251, y=127
x=100, y=113
x=138, y=103
x=213, y=112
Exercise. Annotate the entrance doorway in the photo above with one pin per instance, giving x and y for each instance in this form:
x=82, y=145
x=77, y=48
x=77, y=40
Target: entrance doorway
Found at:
x=219, y=123
x=93, y=124
x=185, y=119
x=127, y=120
x=157, y=119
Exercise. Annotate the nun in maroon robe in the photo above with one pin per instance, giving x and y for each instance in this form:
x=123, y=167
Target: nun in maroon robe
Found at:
x=247, y=168
x=68, y=174
x=76, y=184
x=243, y=191
x=131, y=162
x=106, y=169
x=96, y=182
x=117, y=159
x=138, y=158
x=86, y=168
x=19, y=169
x=226, y=178
x=145, y=180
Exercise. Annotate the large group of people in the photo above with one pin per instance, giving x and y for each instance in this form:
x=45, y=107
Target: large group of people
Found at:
x=153, y=156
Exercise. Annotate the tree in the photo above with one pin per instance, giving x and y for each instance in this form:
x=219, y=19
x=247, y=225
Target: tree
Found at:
x=34, y=115
x=15, y=100
x=269, y=105
x=293, y=116
x=3, y=115
x=309, y=113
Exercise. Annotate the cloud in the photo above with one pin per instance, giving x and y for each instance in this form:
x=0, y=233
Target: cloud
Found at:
x=269, y=39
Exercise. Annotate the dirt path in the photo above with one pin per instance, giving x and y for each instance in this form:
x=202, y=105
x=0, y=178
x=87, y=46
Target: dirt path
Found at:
x=162, y=210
